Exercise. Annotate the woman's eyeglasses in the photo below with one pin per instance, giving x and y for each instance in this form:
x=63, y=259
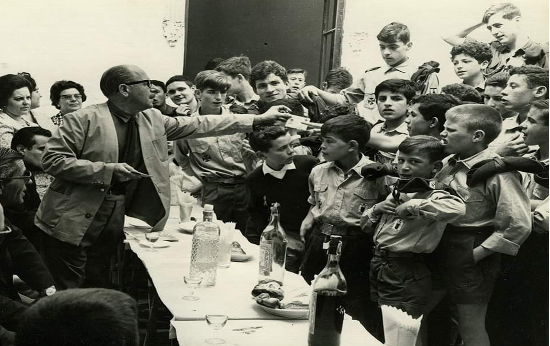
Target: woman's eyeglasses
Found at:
x=70, y=97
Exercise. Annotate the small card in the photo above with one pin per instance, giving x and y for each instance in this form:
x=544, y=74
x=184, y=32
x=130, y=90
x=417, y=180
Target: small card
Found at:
x=295, y=122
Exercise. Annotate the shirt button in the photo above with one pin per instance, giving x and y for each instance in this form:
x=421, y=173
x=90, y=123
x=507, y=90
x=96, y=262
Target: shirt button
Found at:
x=88, y=215
x=102, y=190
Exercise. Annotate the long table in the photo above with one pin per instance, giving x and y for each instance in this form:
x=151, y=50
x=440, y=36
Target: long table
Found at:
x=230, y=296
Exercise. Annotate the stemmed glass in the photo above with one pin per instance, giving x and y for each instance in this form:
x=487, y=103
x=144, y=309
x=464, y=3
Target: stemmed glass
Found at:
x=217, y=322
x=192, y=283
x=152, y=237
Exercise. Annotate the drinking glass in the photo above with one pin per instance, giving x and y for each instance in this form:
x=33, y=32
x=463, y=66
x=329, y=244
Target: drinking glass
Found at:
x=217, y=322
x=192, y=283
x=152, y=237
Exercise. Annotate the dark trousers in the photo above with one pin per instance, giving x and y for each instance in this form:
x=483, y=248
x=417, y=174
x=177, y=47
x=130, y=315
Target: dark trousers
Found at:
x=88, y=264
x=230, y=202
x=355, y=265
x=518, y=312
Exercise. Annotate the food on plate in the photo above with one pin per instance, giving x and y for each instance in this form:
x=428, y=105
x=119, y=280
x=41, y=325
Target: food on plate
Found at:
x=297, y=299
x=237, y=249
x=266, y=300
x=273, y=288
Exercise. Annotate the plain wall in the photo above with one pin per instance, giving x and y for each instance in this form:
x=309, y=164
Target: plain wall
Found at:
x=428, y=21
x=80, y=39
x=287, y=31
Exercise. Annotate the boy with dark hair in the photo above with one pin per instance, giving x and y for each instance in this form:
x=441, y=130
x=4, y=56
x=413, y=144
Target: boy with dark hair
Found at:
x=393, y=97
x=470, y=61
x=296, y=79
x=426, y=114
x=337, y=80
x=463, y=92
x=218, y=162
x=85, y=317
x=512, y=46
x=525, y=85
x=497, y=218
x=407, y=225
x=158, y=89
x=282, y=178
x=492, y=96
x=338, y=197
x=394, y=43
x=239, y=69
x=269, y=80
x=181, y=90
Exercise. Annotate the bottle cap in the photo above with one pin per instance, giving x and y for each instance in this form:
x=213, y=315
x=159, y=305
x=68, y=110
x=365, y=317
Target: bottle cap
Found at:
x=208, y=207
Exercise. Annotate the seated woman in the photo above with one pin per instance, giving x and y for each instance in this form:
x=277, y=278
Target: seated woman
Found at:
x=35, y=97
x=67, y=96
x=15, y=102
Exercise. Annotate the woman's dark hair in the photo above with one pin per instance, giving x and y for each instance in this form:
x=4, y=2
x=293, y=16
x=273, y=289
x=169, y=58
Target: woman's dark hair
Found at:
x=59, y=86
x=8, y=84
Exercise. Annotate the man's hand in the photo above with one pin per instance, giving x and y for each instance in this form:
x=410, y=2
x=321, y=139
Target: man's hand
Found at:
x=308, y=91
x=276, y=115
x=125, y=172
x=183, y=110
x=514, y=147
x=480, y=253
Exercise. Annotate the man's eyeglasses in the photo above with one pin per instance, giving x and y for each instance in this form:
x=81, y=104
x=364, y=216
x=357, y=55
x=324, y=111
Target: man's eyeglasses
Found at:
x=70, y=97
x=26, y=177
x=147, y=82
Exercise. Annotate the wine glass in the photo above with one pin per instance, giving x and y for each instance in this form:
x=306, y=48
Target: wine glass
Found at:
x=217, y=322
x=152, y=237
x=192, y=283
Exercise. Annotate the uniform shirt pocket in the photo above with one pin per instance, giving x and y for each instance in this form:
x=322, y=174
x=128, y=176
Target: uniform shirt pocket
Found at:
x=362, y=200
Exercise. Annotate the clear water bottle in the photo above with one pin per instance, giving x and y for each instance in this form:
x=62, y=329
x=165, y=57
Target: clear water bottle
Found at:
x=326, y=307
x=273, y=245
x=204, y=251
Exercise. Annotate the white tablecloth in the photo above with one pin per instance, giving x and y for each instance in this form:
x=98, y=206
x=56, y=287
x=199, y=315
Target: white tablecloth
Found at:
x=271, y=333
x=230, y=296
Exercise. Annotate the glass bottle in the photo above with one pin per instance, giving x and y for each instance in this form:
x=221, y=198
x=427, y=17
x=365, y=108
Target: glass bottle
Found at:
x=326, y=307
x=204, y=250
x=273, y=245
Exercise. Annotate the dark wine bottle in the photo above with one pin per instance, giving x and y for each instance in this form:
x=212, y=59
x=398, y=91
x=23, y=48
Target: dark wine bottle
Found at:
x=326, y=308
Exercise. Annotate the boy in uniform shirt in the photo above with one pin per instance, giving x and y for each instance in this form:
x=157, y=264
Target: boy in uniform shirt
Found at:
x=512, y=46
x=408, y=224
x=338, y=197
x=218, y=162
x=470, y=61
x=394, y=43
x=238, y=68
x=525, y=85
x=497, y=218
x=393, y=97
x=282, y=178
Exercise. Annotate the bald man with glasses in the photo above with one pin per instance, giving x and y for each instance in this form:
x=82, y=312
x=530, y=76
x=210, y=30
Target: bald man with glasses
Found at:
x=109, y=160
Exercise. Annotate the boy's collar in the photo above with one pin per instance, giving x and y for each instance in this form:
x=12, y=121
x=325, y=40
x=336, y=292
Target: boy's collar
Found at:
x=223, y=110
x=399, y=67
x=357, y=168
x=472, y=160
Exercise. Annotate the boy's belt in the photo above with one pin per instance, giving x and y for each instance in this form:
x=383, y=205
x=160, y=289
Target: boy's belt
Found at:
x=389, y=254
x=482, y=229
x=329, y=229
x=226, y=181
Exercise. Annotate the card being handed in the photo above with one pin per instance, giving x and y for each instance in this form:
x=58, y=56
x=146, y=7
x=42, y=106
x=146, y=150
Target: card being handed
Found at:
x=296, y=122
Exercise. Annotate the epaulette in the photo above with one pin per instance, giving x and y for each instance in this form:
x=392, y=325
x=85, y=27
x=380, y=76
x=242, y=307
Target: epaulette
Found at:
x=372, y=69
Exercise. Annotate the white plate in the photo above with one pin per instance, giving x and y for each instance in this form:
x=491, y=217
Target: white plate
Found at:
x=158, y=245
x=239, y=257
x=293, y=314
x=186, y=227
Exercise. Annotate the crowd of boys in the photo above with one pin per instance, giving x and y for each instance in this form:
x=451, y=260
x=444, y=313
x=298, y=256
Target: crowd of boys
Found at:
x=440, y=193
